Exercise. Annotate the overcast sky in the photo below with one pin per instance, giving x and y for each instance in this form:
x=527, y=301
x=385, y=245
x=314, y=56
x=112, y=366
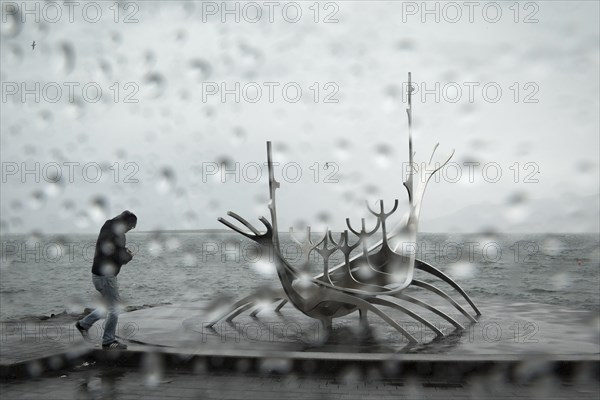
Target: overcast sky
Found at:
x=518, y=95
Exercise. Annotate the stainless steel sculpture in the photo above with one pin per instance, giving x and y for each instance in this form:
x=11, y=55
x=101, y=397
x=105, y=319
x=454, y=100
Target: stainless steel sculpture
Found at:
x=342, y=289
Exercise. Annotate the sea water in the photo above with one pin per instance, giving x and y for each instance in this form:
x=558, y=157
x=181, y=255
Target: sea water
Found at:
x=50, y=274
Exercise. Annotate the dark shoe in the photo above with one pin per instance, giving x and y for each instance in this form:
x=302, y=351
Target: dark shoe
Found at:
x=114, y=346
x=84, y=332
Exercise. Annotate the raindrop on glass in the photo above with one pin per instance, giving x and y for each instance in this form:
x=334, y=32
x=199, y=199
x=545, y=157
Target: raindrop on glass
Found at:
x=200, y=69
x=383, y=154
x=37, y=199
x=166, y=180
x=238, y=136
x=462, y=270
x=11, y=25
x=82, y=219
x=67, y=209
x=154, y=84
x=68, y=57
x=98, y=209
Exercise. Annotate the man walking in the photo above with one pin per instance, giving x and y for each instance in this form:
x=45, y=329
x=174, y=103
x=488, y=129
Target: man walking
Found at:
x=110, y=255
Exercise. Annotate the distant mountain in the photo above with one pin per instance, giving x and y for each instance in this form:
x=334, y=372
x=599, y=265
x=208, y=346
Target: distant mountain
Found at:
x=558, y=214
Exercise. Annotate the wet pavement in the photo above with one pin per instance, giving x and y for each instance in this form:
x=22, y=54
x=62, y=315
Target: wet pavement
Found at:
x=150, y=381
x=265, y=358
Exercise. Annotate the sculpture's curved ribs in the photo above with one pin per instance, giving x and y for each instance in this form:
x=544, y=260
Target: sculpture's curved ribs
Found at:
x=240, y=310
x=436, y=272
x=396, y=306
x=258, y=308
x=281, y=304
x=431, y=308
x=443, y=294
x=233, y=307
x=364, y=304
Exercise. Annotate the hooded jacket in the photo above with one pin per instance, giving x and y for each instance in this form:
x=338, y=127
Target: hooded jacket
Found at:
x=111, y=253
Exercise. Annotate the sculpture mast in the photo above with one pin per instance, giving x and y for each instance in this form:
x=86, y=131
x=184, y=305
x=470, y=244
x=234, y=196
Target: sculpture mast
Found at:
x=409, y=180
x=273, y=185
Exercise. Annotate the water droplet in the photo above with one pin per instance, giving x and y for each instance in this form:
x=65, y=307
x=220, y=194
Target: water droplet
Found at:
x=225, y=162
x=392, y=97
x=462, y=270
x=37, y=199
x=364, y=272
x=29, y=149
x=324, y=217
x=16, y=204
x=585, y=166
x=153, y=369
x=155, y=84
x=98, y=209
x=383, y=153
x=371, y=190
x=54, y=188
x=190, y=220
x=11, y=25
x=181, y=35
x=15, y=55
x=4, y=228
x=75, y=109
x=342, y=149
x=209, y=112
x=82, y=219
x=251, y=59
x=516, y=207
x=200, y=69
x=238, y=136
x=561, y=280
x=68, y=57
x=34, y=368
x=189, y=260
x=166, y=180
x=552, y=246
x=265, y=268
x=155, y=247
x=149, y=58
x=405, y=44
x=116, y=37
x=67, y=208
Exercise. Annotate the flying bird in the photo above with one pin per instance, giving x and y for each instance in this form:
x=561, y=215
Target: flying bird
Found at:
x=33, y=45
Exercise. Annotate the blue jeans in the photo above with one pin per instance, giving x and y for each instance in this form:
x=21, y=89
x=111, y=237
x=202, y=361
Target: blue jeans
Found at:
x=108, y=286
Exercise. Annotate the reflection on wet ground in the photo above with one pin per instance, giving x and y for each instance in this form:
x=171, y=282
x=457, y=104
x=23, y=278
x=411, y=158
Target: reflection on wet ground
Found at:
x=152, y=382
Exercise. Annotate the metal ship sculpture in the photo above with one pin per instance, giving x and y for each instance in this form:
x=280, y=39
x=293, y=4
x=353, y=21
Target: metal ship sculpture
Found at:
x=345, y=288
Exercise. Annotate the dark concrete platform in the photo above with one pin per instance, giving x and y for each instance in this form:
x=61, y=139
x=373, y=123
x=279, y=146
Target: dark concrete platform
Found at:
x=518, y=341
x=121, y=383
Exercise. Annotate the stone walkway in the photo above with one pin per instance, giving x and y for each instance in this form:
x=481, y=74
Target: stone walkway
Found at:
x=53, y=362
x=23, y=341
